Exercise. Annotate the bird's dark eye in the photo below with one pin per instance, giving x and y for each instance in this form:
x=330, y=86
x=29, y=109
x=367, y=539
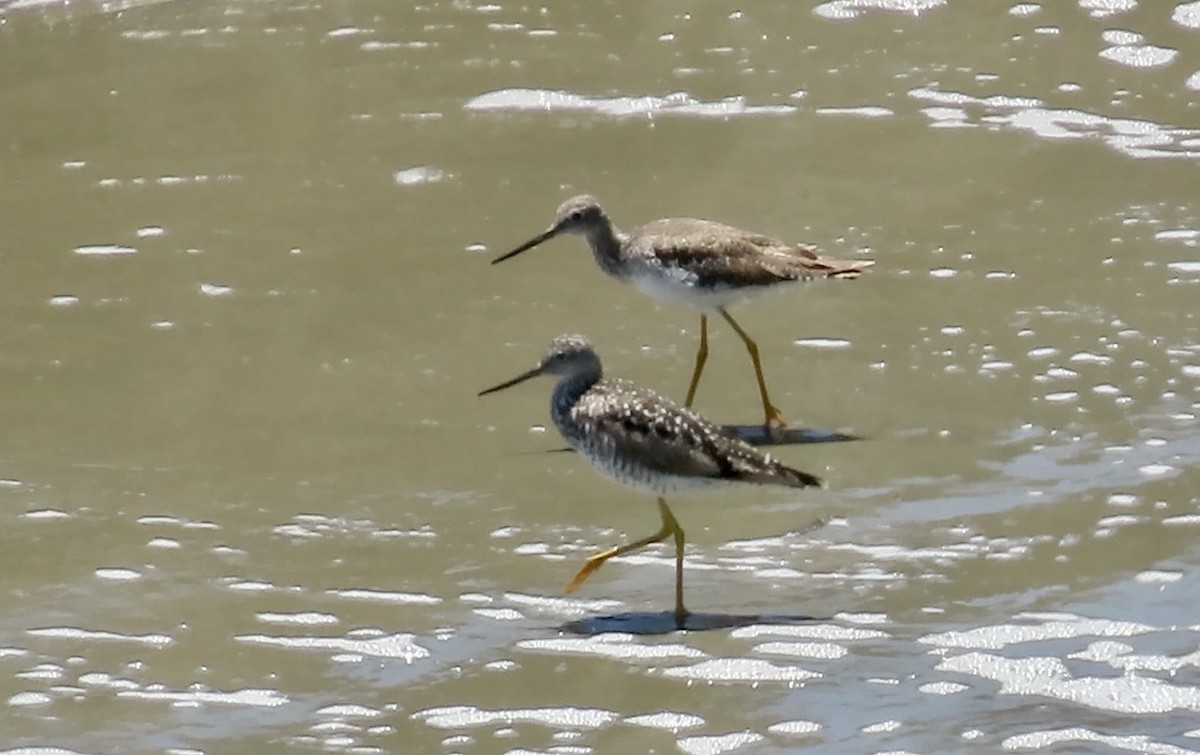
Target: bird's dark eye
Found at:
x=577, y=215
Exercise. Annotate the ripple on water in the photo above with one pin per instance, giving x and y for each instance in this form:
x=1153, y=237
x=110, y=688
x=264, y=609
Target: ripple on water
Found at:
x=256, y=698
x=350, y=711
x=719, y=743
x=374, y=644
x=1139, y=55
x=740, y=670
x=826, y=651
x=101, y=680
x=43, y=671
x=1040, y=740
x=1060, y=397
x=1192, y=520
x=1087, y=357
x=1158, y=576
x=1132, y=137
x=1045, y=626
x=823, y=343
x=796, y=728
x=46, y=514
x=468, y=716
x=1187, y=15
x=942, y=688
x=863, y=111
x=1156, y=470
x=617, y=646
x=104, y=250
x=420, y=174
x=27, y=699
x=215, y=289
x=185, y=523
x=499, y=614
x=386, y=596
x=118, y=575
x=830, y=632
x=571, y=607
x=677, y=103
x=851, y=9
x=666, y=720
x=1177, y=234
x=1033, y=674
x=253, y=585
x=1106, y=8
x=1048, y=676
x=76, y=634
x=301, y=618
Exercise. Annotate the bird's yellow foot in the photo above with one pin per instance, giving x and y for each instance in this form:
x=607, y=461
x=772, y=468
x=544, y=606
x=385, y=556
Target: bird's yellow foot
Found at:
x=774, y=423
x=594, y=562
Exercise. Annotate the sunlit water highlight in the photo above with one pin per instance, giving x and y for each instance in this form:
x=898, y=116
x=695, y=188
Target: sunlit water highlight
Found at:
x=250, y=502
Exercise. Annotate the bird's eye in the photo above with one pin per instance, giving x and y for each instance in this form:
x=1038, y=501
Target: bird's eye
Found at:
x=577, y=215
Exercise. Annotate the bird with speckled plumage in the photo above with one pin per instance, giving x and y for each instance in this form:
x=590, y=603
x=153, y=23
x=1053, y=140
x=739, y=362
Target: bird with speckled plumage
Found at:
x=646, y=441
x=700, y=263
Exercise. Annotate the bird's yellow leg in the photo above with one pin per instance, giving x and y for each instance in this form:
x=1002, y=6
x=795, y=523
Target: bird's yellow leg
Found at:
x=596, y=560
x=701, y=358
x=681, y=613
x=771, y=413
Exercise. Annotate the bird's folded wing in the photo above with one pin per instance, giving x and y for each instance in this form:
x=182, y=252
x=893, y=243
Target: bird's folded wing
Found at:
x=668, y=439
x=719, y=254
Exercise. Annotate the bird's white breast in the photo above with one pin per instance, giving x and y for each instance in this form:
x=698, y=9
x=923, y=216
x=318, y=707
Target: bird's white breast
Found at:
x=676, y=286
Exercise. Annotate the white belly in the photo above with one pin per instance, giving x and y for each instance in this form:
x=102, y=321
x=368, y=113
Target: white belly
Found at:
x=678, y=287
x=636, y=476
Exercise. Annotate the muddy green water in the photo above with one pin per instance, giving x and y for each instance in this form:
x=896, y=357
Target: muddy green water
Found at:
x=249, y=501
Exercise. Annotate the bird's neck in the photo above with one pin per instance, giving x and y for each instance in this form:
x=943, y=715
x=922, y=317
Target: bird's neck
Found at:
x=567, y=392
x=607, y=242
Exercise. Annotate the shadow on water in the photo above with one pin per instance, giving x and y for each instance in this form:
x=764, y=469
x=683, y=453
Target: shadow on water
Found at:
x=757, y=435
x=663, y=622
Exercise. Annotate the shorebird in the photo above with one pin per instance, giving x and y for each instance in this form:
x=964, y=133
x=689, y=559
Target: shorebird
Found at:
x=646, y=441
x=707, y=265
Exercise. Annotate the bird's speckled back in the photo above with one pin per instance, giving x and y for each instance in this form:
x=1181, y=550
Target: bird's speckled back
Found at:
x=643, y=439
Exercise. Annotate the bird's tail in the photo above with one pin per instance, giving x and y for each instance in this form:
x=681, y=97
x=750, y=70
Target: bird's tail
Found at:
x=846, y=270
x=815, y=264
x=785, y=475
x=804, y=479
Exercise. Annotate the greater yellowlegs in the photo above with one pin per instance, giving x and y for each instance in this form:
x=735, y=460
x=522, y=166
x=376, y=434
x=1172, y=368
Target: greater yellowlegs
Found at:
x=646, y=441
x=707, y=265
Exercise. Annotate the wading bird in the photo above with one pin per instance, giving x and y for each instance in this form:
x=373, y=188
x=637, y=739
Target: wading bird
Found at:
x=703, y=264
x=646, y=441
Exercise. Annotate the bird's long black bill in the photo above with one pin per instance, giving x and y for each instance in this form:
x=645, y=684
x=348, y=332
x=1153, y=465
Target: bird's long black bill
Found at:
x=543, y=236
x=510, y=383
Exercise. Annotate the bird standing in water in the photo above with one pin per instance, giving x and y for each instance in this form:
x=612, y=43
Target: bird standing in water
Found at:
x=706, y=265
x=644, y=440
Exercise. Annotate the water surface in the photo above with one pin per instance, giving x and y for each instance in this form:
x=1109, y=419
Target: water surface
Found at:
x=249, y=500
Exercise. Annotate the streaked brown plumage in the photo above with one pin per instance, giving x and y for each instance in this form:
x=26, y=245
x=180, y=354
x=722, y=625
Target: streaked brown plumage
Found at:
x=700, y=263
x=644, y=440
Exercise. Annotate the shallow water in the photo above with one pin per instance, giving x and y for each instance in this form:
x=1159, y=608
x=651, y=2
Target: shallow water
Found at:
x=250, y=503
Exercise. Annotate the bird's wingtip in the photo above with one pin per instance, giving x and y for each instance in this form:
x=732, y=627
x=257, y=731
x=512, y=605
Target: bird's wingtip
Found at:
x=807, y=480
